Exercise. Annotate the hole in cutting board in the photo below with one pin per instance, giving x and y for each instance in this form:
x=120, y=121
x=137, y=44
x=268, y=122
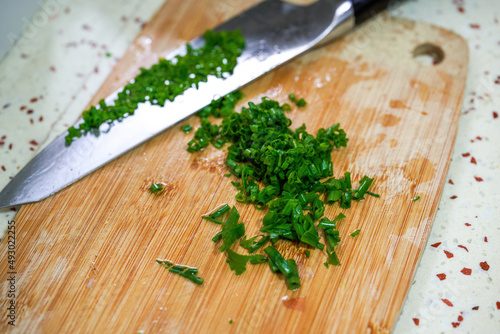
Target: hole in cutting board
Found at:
x=428, y=54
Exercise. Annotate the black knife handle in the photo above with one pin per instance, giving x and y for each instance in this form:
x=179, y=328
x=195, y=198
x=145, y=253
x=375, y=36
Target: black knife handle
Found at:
x=365, y=9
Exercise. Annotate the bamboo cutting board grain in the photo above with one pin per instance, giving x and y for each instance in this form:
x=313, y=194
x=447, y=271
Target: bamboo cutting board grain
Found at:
x=85, y=257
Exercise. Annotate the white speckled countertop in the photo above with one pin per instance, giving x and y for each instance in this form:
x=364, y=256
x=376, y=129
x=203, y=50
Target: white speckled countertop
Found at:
x=70, y=46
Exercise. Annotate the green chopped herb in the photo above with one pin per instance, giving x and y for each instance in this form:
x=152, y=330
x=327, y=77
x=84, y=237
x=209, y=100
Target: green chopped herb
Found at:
x=186, y=128
x=293, y=279
x=210, y=133
x=288, y=172
x=278, y=260
x=286, y=107
x=238, y=262
x=155, y=188
x=220, y=211
x=251, y=245
x=230, y=321
x=247, y=243
x=364, y=184
x=416, y=198
x=184, y=271
x=299, y=103
x=332, y=237
x=307, y=253
x=215, y=214
x=287, y=267
x=108, y=54
x=231, y=230
x=332, y=258
x=326, y=223
x=355, y=233
x=217, y=237
x=166, y=80
x=274, y=268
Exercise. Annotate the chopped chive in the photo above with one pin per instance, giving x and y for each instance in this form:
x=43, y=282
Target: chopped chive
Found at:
x=186, y=128
x=217, y=237
x=416, y=198
x=332, y=258
x=287, y=267
x=195, y=279
x=278, y=260
x=364, y=184
x=177, y=269
x=218, y=211
x=298, y=102
x=181, y=270
x=293, y=279
x=251, y=245
x=274, y=267
x=155, y=188
x=326, y=223
x=355, y=233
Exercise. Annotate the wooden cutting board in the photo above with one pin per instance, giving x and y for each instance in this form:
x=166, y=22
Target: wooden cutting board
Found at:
x=85, y=257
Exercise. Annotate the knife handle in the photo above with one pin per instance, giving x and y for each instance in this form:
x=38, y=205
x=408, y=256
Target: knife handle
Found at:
x=365, y=9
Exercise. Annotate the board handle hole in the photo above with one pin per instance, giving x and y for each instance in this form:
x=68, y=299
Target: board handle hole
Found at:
x=428, y=54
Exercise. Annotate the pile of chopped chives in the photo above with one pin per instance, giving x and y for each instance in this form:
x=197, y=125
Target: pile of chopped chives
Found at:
x=288, y=172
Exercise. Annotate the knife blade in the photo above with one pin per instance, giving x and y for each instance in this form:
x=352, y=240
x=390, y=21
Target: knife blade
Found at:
x=275, y=32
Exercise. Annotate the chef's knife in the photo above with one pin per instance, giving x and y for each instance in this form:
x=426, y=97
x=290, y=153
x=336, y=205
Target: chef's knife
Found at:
x=275, y=32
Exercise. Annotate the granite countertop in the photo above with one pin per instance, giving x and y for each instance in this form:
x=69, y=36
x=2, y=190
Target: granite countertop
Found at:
x=69, y=47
